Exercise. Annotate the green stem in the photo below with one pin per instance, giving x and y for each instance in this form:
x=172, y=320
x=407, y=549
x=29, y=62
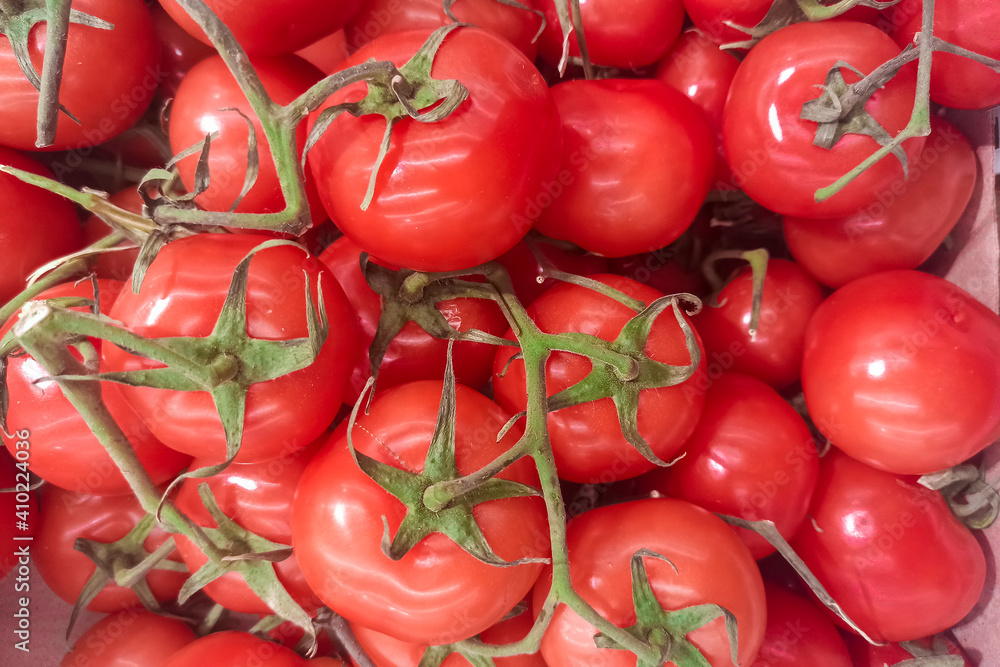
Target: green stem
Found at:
x=581, y=40
x=815, y=11
x=920, y=119
x=56, y=35
x=60, y=274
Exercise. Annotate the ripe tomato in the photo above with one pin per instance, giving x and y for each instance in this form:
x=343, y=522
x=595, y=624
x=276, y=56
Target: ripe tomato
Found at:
x=241, y=649
x=710, y=17
x=712, y=567
x=413, y=354
x=437, y=593
x=637, y=162
x=268, y=28
x=698, y=68
x=66, y=517
x=37, y=226
x=63, y=450
x=204, y=104
x=182, y=295
x=902, y=371
x=889, y=551
x=586, y=439
x=751, y=456
x=179, y=51
x=775, y=355
x=129, y=638
x=903, y=228
x=450, y=194
x=956, y=81
x=258, y=497
x=386, y=651
x=378, y=17
x=798, y=633
x=109, y=78
x=626, y=34
x=770, y=147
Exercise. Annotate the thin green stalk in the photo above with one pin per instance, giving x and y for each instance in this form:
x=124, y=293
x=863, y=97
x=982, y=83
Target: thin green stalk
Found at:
x=57, y=34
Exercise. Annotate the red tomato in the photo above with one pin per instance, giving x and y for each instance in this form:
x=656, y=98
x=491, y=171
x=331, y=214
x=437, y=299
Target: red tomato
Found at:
x=378, y=17
x=637, y=162
x=770, y=147
x=710, y=17
x=586, y=439
x=182, y=295
x=108, y=80
x=751, y=456
x=414, y=354
x=62, y=450
x=241, y=649
x=265, y=28
x=620, y=33
x=956, y=81
x=525, y=271
x=868, y=655
x=22, y=229
x=258, y=497
x=889, y=551
x=903, y=228
x=66, y=517
x=386, y=651
x=485, y=163
x=712, y=567
x=798, y=633
x=437, y=593
x=20, y=506
x=775, y=356
x=179, y=51
x=129, y=638
x=204, y=104
x=902, y=371
x=696, y=67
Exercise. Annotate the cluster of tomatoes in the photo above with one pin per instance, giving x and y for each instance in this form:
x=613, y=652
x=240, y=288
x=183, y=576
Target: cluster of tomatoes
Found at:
x=536, y=472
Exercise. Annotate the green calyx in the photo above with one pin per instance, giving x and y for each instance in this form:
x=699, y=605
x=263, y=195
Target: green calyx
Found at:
x=395, y=94
x=970, y=497
x=428, y=509
x=125, y=563
x=935, y=655
x=666, y=631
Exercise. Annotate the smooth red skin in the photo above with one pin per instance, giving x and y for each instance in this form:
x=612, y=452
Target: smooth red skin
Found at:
x=955, y=81
x=790, y=297
x=378, y=17
x=902, y=371
x=798, y=633
x=199, y=108
x=865, y=654
x=327, y=54
x=770, y=148
x=179, y=51
x=266, y=28
x=437, y=593
x=586, y=439
x=524, y=270
x=702, y=72
x=413, y=354
x=900, y=231
x=241, y=649
x=10, y=477
x=41, y=226
x=386, y=651
x=66, y=516
x=751, y=456
x=182, y=295
x=130, y=638
x=713, y=566
x=637, y=162
x=63, y=449
x=115, y=265
x=889, y=551
x=258, y=497
x=710, y=16
x=108, y=80
x=620, y=33
x=485, y=163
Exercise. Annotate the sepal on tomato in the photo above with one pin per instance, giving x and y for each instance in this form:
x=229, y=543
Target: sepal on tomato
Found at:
x=970, y=497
